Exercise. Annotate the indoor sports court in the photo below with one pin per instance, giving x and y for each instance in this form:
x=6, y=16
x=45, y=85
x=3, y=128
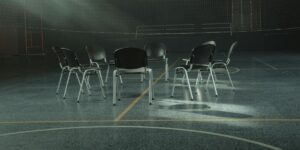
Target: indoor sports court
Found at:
x=149, y=74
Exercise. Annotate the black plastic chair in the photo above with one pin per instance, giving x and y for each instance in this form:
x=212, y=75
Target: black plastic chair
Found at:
x=131, y=61
x=225, y=62
x=97, y=57
x=62, y=64
x=157, y=52
x=200, y=59
x=75, y=67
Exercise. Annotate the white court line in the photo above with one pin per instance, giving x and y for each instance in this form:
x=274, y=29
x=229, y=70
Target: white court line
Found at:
x=264, y=63
x=149, y=127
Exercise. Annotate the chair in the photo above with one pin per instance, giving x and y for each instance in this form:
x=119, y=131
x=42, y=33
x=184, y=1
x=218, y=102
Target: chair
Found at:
x=75, y=67
x=62, y=64
x=131, y=61
x=72, y=65
x=200, y=59
x=157, y=52
x=224, y=63
x=97, y=57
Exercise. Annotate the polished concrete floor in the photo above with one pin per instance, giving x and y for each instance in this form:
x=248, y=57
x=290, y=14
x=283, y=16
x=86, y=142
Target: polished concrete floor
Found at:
x=262, y=112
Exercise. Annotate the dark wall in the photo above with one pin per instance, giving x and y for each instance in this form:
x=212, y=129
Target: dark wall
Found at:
x=9, y=14
x=60, y=16
x=121, y=15
x=281, y=13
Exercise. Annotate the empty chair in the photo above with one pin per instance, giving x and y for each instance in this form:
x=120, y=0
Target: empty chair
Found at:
x=200, y=59
x=131, y=61
x=75, y=67
x=97, y=57
x=157, y=52
x=62, y=63
x=225, y=62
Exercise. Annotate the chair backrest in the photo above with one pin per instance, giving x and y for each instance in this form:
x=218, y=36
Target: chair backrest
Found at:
x=212, y=43
x=96, y=53
x=233, y=45
x=155, y=50
x=130, y=58
x=202, y=55
x=71, y=57
x=60, y=56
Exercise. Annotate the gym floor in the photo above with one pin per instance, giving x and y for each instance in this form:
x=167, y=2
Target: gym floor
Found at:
x=262, y=112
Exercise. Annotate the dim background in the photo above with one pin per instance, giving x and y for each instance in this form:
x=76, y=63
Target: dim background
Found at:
x=257, y=24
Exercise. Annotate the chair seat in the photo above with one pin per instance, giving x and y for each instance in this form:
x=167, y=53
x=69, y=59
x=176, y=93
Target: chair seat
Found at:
x=156, y=59
x=218, y=66
x=218, y=63
x=111, y=62
x=195, y=67
x=133, y=71
x=92, y=68
x=89, y=67
x=218, y=60
x=187, y=67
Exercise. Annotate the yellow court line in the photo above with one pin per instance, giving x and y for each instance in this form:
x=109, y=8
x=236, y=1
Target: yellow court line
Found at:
x=263, y=120
x=136, y=100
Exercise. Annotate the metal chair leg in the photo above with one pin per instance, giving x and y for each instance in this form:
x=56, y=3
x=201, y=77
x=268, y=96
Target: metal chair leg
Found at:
x=81, y=84
x=88, y=82
x=229, y=76
x=201, y=78
x=214, y=73
x=197, y=81
x=107, y=73
x=59, y=81
x=114, y=87
x=77, y=76
x=174, y=81
x=213, y=80
x=78, y=79
x=166, y=69
x=208, y=79
x=100, y=81
x=121, y=80
x=66, y=87
x=188, y=82
x=153, y=92
x=150, y=85
x=119, y=89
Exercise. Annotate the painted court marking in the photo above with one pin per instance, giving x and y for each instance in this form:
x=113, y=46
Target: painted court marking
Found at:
x=149, y=127
x=264, y=63
x=213, y=120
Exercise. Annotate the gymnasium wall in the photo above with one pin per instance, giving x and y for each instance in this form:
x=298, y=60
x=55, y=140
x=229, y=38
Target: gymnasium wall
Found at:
x=64, y=20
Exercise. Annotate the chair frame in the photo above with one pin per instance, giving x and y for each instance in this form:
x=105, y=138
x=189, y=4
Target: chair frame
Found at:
x=64, y=68
x=164, y=58
x=97, y=64
x=226, y=62
x=85, y=80
x=120, y=71
x=83, y=70
x=185, y=72
x=71, y=70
